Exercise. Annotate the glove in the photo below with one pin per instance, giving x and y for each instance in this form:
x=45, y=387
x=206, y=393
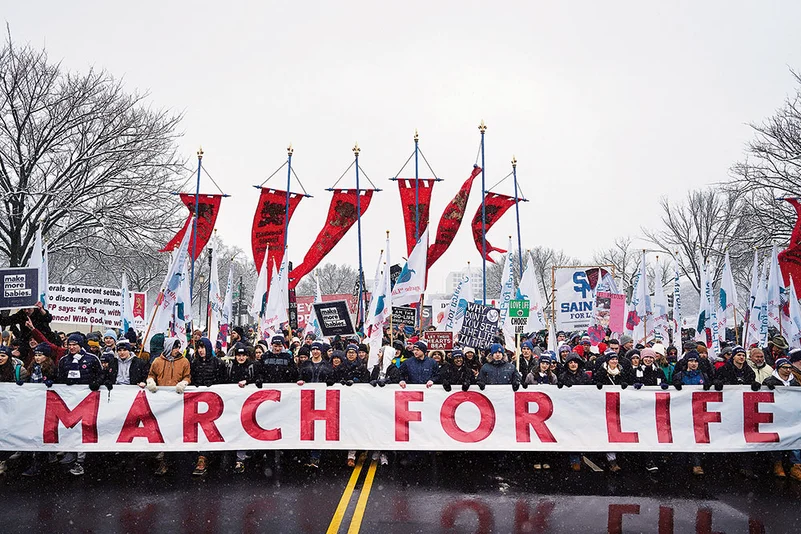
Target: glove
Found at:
x=48, y=383
x=638, y=385
x=374, y=383
x=718, y=386
x=259, y=383
x=515, y=386
x=180, y=386
x=678, y=386
x=348, y=383
x=525, y=385
x=109, y=386
x=465, y=386
x=707, y=386
x=756, y=386
x=664, y=385
x=20, y=382
x=446, y=386
x=151, y=385
x=623, y=385
x=569, y=385
x=770, y=386
x=560, y=385
x=599, y=385
x=94, y=386
x=481, y=386
x=382, y=382
x=329, y=382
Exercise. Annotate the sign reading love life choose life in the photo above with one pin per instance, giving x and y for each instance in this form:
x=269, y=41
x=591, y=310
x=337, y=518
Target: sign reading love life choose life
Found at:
x=287, y=416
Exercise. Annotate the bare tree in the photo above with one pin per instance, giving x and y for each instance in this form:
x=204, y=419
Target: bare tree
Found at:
x=334, y=279
x=771, y=169
x=626, y=259
x=543, y=258
x=83, y=159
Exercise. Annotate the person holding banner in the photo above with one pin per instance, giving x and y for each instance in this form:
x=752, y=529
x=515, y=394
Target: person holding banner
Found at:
x=541, y=374
x=783, y=377
x=278, y=365
x=418, y=370
x=528, y=362
x=317, y=371
x=456, y=372
x=498, y=371
x=242, y=370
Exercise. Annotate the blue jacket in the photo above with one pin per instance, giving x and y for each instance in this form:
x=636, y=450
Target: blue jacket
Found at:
x=499, y=372
x=414, y=371
x=86, y=370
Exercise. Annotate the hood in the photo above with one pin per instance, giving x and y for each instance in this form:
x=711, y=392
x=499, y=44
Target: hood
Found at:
x=207, y=343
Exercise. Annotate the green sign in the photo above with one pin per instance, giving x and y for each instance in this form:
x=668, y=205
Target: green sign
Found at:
x=519, y=308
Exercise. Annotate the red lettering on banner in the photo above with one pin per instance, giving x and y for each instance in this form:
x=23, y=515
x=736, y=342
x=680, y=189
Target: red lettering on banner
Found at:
x=403, y=416
x=614, y=524
x=664, y=431
x=613, y=427
x=701, y=417
x=536, y=420
x=703, y=522
x=447, y=416
x=486, y=521
x=752, y=417
x=56, y=411
x=524, y=522
x=665, y=520
x=248, y=415
x=140, y=414
x=330, y=414
x=194, y=419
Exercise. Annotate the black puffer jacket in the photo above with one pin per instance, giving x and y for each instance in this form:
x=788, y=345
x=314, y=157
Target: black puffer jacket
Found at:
x=278, y=368
x=317, y=373
x=354, y=371
x=498, y=372
x=604, y=377
x=236, y=372
x=648, y=375
x=729, y=374
x=452, y=375
x=209, y=370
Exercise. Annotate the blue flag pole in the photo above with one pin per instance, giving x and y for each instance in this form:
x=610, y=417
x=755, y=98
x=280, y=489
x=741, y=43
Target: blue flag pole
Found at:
x=289, y=152
x=359, y=313
x=483, y=128
x=416, y=188
x=517, y=215
x=194, y=224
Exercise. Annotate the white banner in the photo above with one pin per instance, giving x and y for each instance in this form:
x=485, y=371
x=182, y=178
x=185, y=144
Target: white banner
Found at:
x=98, y=306
x=287, y=416
x=575, y=298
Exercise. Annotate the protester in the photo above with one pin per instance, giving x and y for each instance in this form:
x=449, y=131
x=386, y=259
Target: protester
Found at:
x=418, y=370
x=242, y=370
x=542, y=374
x=782, y=376
x=757, y=363
x=278, y=365
x=317, y=371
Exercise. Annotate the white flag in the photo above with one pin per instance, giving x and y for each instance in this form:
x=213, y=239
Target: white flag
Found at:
x=38, y=260
x=642, y=306
x=712, y=309
x=379, y=312
x=462, y=295
x=259, y=301
x=507, y=291
x=318, y=298
x=376, y=281
x=411, y=283
x=168, y=294
x=751, y=330
x=182, y=316
x=126, y=305
x=275, y=312
x=775, y=290
x=529, y=290
x=215, y=302
x=660, y=309
x=676, y=304
x=793, y=329
x=727, y=296
x=227, y=312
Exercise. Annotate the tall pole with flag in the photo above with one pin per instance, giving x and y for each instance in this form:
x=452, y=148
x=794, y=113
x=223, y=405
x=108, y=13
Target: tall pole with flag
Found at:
x=194, y=223
x=360, y=311
x=289, y=152
x=517, y=215
x=416, y=187
x=483, y=128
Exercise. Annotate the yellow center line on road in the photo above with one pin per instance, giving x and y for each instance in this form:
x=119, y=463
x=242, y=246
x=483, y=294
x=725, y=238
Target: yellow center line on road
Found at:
x=358, y=513
x=342, y=507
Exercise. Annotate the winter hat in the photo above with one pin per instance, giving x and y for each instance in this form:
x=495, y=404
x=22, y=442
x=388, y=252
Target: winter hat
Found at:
x=316, y=346
x=4, y=349
x=691, y=355
x=625, y=339
x=737, y=349
x=527, y=345
x=42, y=348
x=420, y=345
x=295, y=340
x=496, y=347
x=239, y=348
x=124, y=344
x=613, y=356
x=93, y=344
x=594, y=350
x=363, y=348
x=648, y=353
x=563, y=348
x=6, y=334
x=338, y=354
x=241, y=331
x=585, y=340
x=311, y=336
x=326, y=347
x=659, y=349
x=304, y=351
x=779, y=342
x=632, y=352
x=795, y=355
x=398, y=345
x=609, y=352
x=457, y=353
x=782, y=361
x=353, y=346
x=545, y=358
x=110, y=333
x=469, y=349
x=75, y=338
x=277, y=340
x=574, y=357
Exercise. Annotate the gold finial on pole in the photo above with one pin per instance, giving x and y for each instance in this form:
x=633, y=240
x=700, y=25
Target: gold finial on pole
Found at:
x=356, y=149
x=514, y=162
x=482, y=127
x=387, y=234
x=200, y=153
x=416, y=136
x=289, y=150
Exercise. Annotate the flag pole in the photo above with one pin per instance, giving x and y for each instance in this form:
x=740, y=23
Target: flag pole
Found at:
x=483, y=128
x=289, y=152
x=416, y=188
x=517, y=214
x=359, y=312
x=194, y=224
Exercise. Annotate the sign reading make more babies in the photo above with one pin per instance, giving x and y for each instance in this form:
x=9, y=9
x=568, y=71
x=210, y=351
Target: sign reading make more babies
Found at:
x=19, y=287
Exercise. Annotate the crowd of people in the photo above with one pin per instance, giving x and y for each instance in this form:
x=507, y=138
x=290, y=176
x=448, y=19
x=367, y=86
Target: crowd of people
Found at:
x=31, y=352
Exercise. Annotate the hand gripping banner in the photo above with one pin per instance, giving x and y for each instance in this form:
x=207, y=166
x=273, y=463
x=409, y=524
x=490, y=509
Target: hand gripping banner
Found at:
x=268, y=225
x=208, y=208
x=287, y=416
x=406, y=186
x=451, y=219
x=341, y=216
x=495, y=206
x=790, y=258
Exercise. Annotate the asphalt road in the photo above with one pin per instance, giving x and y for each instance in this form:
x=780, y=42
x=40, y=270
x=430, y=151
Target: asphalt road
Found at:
x=449, y=493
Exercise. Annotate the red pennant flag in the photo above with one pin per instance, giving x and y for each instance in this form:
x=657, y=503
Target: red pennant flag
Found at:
x=495, y=205
x=208, y=208
x=406, y=187
x=341, y=216
x=451, y=219
x=268, y=225
x=790, y=258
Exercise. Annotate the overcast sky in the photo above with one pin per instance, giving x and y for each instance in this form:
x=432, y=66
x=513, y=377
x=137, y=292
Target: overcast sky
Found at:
x=607, y=105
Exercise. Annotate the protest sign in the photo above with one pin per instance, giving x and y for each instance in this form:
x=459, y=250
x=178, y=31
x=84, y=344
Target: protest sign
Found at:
x=610, y=311
x=404, y=315
x=438, y=340
x=575, y=295
x=93, y=306
x=334, y=318
x=479, y=326
x=20, y=288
